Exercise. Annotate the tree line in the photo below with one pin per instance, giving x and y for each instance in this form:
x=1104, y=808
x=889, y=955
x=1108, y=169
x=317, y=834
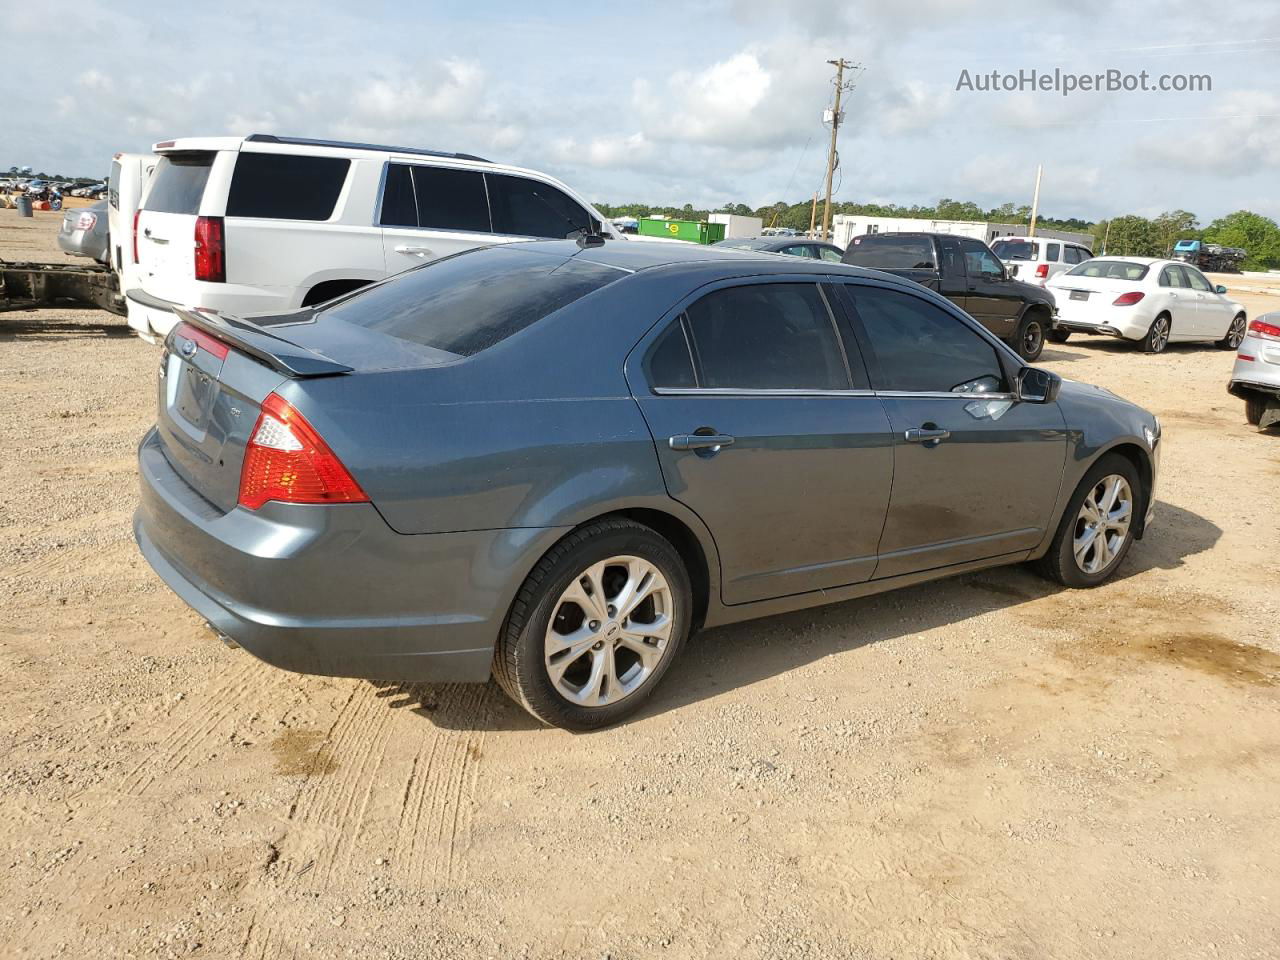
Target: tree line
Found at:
x=1129, y=235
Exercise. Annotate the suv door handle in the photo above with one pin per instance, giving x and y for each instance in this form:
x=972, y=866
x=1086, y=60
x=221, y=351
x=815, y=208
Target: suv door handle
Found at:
x=699, y=441
x=926, y=435
x=415, y=251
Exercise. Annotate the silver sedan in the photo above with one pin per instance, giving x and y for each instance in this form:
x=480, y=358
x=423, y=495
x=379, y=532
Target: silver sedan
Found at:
x=84, y=232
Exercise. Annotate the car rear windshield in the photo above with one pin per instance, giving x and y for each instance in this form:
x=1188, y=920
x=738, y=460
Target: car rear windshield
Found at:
x=178, y=183
x=1110, y=270
x=887, y=251
x=1014, y=249
x=277, y=186
x=466, y=303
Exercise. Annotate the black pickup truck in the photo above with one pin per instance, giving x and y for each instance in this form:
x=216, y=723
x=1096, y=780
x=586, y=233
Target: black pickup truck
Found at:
x=967, y=273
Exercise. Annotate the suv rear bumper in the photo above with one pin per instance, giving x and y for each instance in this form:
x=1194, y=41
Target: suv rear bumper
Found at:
x=153, y=317
x=331, y=589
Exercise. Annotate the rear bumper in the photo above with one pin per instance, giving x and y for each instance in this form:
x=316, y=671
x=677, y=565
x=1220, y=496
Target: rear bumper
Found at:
x=153, y=317
x=331, y=589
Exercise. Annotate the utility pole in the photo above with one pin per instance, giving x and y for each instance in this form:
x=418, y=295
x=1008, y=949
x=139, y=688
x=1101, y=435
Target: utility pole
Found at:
x=841, y=65
x=1035, y=202
x=813, y=215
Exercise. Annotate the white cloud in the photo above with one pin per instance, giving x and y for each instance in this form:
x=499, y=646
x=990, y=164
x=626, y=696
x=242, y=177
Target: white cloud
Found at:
x=1241, y=134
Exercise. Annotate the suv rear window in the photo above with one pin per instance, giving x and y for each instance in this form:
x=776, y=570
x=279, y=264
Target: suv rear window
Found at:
x=468, y=302
x=890, y=251
x=179, y=182
x=1111, y=269
x=113, y=188
x=1014, y=249
x=276, y=186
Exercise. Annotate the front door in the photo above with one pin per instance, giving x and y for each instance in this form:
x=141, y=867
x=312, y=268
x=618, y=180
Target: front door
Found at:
x=975, y=473
x=762, y=431
x=1213, y=313
x=992, y=299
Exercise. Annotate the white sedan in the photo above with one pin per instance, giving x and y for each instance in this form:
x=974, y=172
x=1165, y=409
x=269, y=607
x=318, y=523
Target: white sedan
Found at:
x=1155, y=302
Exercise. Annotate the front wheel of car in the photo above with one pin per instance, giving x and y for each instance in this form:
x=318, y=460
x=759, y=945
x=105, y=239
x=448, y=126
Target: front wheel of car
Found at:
x=1235, y=334
x=1029, y=341
x=1058, y=336
x=1157, y=337
x=1096, y=530
x=595, y=626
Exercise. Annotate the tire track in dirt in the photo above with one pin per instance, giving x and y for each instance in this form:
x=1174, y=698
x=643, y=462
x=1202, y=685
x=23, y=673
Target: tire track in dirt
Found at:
x=195, y=728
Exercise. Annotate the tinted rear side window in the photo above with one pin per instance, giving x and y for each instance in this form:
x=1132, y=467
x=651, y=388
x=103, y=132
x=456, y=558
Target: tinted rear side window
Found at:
x=766, y=336
x=527, y=208
x=670, y=364
x=919, y=347
x=466, y=303
x=889, y=252
x=450, y=199
x=276, y=186
x=178, y=183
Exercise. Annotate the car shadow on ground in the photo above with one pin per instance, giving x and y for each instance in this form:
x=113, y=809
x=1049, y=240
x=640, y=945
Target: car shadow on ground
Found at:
x=1115, y=345
x=1059, y=355
x=738, y=655
x=22, y=328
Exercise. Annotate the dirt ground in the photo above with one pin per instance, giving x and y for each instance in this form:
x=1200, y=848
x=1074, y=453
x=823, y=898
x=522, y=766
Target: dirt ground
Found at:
x=986, y=767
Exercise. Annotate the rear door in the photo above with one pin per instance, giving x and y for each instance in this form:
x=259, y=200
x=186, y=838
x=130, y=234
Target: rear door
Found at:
x=975, y=473
x=428, y=212
x=167, y=223
x=766, y=429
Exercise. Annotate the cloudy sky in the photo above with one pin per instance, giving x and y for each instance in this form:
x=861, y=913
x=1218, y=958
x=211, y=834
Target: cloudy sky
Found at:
x=702, y=101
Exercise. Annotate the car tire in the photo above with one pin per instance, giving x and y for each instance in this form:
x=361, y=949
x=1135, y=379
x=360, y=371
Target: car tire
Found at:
x=1254, y=405
x=1029, y=340
x=1157, y=337
x=557, y=686
x=1066, y=562
x=1058, y=336
x=1235, y=333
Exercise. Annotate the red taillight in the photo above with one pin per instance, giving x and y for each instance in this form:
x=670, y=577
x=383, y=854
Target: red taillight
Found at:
x=1268, y=331
x=1128, y=299
x=136, y=214
x=211, y=265
x=1042, y=271
x=286, y=460
x=1245, y=356
x=204, y=341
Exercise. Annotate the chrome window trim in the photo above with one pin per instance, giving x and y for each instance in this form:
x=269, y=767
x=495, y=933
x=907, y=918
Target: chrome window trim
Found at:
x=382, y=192
x=816, y=392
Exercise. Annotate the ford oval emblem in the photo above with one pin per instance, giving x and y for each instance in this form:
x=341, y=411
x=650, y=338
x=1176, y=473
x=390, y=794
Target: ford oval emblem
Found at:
x=188, y=349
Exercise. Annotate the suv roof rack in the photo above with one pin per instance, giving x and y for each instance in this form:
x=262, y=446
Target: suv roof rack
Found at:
x=308, y=142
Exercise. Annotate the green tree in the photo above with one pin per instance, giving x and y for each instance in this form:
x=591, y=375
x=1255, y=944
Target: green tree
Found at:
x=1172, y=226
x=1133, y=236
x=1257, y=234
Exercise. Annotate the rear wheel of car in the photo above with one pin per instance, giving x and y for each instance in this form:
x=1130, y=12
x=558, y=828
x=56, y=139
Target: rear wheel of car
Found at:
x=1254, y=405
x=1235, y=333
x=1029, y=341
x=1096, y=530
x=595, y=626
x=1058, y=336
x=1157, y=337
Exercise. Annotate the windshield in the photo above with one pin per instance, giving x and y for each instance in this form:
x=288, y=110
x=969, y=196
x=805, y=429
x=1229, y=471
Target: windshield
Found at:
x=1014, y=249
x=1110, y=269
x=468, y=302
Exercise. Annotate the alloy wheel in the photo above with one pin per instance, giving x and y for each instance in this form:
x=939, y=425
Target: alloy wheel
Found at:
x=1102, y=525
x=610, y=630
x=1235, y=334
x=1159, y=334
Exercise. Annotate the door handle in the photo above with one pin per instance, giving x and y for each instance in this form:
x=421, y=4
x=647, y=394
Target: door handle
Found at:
x=415, y=251
x=699, y=441
x=926, y=435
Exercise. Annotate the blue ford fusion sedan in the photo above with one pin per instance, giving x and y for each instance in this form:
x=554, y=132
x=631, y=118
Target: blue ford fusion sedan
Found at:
x=550, y=462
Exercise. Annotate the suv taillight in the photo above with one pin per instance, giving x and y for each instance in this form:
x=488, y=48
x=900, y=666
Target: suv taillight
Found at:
x=136, y=214
x=1128, y=299
x=286, y=460
x=1268, y=331
x=211, y=263
x=1042, y=271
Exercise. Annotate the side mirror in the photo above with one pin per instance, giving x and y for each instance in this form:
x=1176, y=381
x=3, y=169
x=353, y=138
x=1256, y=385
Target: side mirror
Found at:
x=1012, y=268
x=1036, y=385
x=1219, y=289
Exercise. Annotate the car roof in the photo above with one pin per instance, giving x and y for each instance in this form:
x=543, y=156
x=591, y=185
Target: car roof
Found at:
x=235, y=143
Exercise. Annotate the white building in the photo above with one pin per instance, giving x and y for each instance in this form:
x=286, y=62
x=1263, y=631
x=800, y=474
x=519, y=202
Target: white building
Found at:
x=844, y=227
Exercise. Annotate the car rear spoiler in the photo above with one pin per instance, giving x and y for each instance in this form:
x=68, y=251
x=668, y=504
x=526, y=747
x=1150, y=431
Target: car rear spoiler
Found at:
x=288, y=358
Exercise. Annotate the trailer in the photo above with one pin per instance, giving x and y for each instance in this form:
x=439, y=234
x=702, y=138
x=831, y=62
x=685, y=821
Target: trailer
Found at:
x=25, y=286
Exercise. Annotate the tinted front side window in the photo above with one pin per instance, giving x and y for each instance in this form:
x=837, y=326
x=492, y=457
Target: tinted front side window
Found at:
x=979, y=261
x=885, y=251
x=527, y=208
x=919, y=347
x=276, y=186
x=178, y=184
x=827, y=253
x=468, y=302
x=766, y=336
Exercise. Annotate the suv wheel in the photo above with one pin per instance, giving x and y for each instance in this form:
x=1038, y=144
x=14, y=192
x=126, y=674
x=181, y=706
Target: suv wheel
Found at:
x=1029, y=341
x=1235, y=333
x=595, y=626
x=1157, y=337
x=1096, y=530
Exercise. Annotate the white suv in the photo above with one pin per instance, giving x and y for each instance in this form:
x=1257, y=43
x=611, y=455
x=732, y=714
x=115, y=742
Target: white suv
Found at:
x=261, y=224
x=1036, y=259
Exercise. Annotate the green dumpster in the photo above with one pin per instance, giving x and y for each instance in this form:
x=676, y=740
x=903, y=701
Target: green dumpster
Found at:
x=695, y=231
